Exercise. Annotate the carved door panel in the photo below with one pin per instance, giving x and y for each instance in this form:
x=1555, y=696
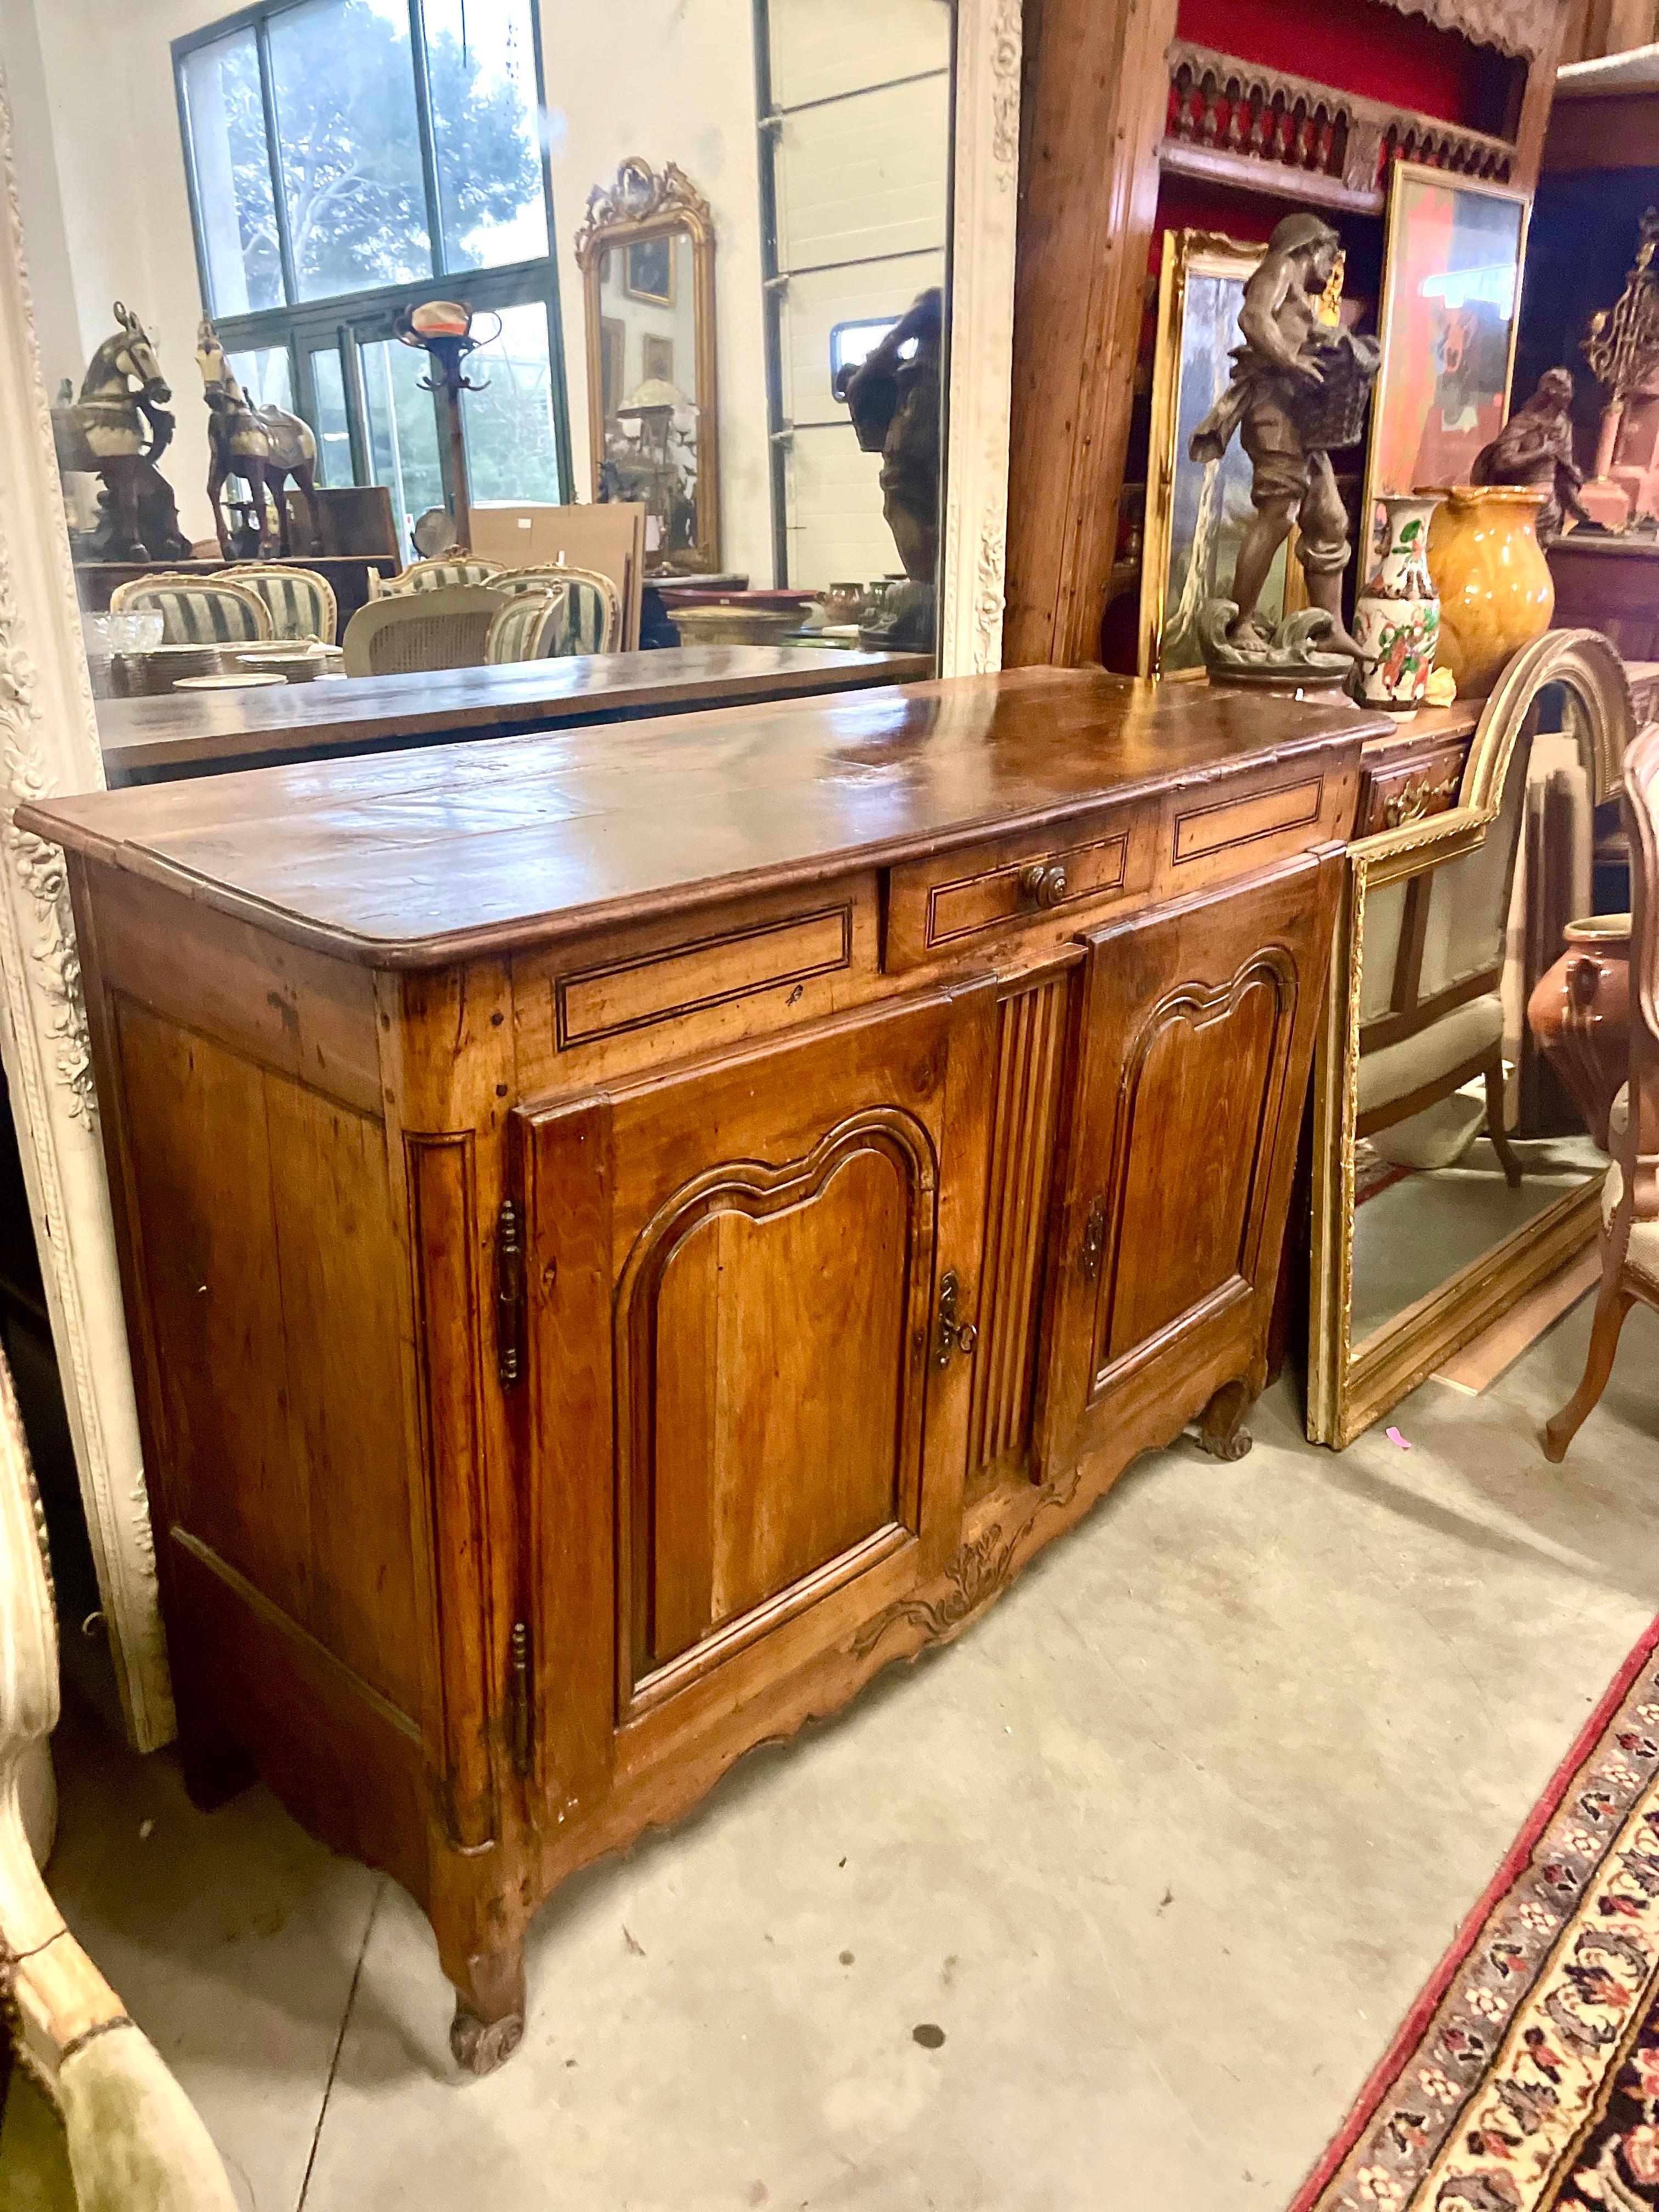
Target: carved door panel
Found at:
x=735, y=1394
x=1198, y=1032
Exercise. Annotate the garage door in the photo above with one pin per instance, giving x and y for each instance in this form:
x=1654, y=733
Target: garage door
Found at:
x=856, y=134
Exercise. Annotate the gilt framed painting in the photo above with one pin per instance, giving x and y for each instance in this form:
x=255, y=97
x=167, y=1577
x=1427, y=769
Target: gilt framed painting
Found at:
x=1197, y=512
x=1451, y=286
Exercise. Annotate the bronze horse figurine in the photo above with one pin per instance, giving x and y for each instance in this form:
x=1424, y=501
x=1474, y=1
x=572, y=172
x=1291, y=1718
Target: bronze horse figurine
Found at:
x=263, y=445
x=118, y=433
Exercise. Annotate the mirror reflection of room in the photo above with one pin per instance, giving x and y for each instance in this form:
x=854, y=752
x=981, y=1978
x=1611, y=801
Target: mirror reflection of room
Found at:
x=427, y=299
x=1463, y=1134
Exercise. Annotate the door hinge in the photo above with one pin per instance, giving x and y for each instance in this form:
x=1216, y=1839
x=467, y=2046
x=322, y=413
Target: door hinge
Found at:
x=952, y=1335
x=1094, y=1241
x=509, y=1295
x=518, y=1697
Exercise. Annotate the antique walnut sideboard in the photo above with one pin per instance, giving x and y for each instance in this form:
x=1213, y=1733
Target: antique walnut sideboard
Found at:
x=627, y=1231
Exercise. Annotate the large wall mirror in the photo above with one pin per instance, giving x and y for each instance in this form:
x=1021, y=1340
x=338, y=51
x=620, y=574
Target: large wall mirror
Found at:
x=1444, y=1188
x=281, y=192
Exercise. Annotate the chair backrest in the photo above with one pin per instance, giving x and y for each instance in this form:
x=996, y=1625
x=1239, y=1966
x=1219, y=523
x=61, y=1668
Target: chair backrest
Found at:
x=300, y=602
x=437, y=576
x=607, y=539
x=528, y=628
x=1469, y=898
x=399, y=633
x=593, y=606
x=1637, y=1147
x=195, y=610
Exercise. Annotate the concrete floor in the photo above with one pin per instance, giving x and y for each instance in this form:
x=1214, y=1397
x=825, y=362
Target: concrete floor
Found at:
x=1164, y=1847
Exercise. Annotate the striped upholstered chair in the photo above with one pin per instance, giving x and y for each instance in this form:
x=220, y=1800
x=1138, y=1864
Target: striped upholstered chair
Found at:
x=532, y=626
x=300, y=602
x=195, y=609
x=593, y=609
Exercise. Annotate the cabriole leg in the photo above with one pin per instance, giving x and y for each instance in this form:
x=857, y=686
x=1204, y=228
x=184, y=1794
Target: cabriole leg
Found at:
x=1614, y=1303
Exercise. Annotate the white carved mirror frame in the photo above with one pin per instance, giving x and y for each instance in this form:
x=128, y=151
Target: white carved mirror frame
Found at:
x=49, y=745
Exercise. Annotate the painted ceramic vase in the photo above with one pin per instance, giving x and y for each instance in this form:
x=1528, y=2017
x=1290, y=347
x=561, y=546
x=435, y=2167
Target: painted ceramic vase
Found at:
x=1580, y=1014
x=1396, y=615
x=1496, y=590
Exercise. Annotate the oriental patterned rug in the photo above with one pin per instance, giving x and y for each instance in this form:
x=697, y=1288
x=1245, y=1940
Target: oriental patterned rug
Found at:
x=1526, y=2078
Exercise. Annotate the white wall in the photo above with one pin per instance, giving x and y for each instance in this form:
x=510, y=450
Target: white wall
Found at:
x=116, y=174
x=670, y=81
x=107, y=209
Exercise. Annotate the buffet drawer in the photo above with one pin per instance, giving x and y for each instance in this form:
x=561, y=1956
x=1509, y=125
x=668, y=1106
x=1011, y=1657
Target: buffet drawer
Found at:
x=1409, y=790
x=940, y=907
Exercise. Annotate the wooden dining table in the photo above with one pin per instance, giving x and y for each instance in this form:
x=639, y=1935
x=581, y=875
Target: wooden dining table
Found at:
x=153, y=740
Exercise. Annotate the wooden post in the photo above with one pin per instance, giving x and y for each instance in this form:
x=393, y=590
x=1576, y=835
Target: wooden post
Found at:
x=460, y=498
x=1096, y=92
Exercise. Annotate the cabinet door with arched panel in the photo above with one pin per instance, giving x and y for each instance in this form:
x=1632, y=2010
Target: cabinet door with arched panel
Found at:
x=1198, y=1033
x=745, y=1368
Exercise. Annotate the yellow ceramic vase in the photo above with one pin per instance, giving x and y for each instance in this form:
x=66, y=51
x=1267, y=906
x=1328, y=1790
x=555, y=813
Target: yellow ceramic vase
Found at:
x=1496, y=590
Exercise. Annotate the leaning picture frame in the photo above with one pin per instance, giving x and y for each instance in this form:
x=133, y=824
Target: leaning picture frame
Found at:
x=1197, y=512
x=1449, y=314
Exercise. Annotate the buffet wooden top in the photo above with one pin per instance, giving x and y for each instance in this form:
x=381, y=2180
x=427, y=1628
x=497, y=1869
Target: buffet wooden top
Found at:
x=182, y=733
x=412, y=858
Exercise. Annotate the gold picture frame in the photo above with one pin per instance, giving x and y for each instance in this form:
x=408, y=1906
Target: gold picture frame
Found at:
x=636, y=275
x=1410, y=181
x=1350, y=1389
x=1205, y=270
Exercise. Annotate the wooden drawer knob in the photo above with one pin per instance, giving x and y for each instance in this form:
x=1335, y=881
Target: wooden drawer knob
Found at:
x=1044, y=886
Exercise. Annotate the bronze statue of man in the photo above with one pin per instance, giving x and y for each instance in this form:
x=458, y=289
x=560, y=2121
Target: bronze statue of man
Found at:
x=1297, y=388
x=1534, y=448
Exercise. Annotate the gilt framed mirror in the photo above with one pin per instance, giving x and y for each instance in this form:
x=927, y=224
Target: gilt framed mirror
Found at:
x=1444, y=1188
x=647, y=255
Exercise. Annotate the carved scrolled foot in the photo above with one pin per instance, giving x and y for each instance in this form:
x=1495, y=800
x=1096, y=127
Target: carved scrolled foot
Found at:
x=1221, y=1431
x=480, y=2046
x=489, y=2006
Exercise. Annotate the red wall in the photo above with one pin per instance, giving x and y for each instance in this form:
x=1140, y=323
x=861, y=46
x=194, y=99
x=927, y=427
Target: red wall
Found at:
x=1362, y=46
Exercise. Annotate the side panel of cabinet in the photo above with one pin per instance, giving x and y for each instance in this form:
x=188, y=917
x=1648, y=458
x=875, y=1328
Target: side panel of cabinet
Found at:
x=1198, y=1036
x=738, y=1400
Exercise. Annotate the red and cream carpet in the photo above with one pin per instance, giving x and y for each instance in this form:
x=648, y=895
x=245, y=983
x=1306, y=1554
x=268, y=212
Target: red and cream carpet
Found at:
x=1526, y=2076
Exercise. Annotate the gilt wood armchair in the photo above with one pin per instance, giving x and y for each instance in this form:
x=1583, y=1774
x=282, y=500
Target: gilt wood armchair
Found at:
x=1630, y=1194
x=135, y=2141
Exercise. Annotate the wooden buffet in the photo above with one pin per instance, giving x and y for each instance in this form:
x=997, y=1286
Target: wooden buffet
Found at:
x=197, y=733
x=626, y=1232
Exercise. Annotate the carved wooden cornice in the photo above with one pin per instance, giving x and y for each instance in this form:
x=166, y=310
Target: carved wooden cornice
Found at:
x=1271, y=131
x=1519, y=27
x=641, y=200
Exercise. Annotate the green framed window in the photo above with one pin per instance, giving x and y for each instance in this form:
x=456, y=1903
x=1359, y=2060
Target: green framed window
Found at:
x=346, y=159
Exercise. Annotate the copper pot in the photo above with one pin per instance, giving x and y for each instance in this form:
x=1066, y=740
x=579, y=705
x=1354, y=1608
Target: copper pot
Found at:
x=1579, y=1012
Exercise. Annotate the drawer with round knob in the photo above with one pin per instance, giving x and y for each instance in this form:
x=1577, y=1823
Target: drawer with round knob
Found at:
x=954, y=901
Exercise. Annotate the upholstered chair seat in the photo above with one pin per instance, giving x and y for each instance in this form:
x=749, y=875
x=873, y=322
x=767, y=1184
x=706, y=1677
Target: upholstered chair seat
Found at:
x=1466, y=1033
